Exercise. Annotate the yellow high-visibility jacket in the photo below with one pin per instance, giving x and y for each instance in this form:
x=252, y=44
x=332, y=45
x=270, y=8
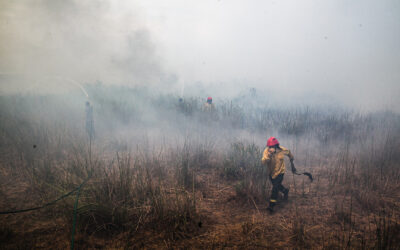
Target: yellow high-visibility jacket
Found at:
x=275, y=161
x=209, y=107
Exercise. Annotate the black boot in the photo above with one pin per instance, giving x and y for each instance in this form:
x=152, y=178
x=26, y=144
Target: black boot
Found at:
x=286, y=194
x=270, y=208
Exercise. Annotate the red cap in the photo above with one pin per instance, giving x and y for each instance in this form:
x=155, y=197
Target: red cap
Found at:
x=272, y=141
x=209, y=98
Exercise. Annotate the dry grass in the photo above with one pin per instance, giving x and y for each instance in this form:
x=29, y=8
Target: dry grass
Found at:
x=197, y=193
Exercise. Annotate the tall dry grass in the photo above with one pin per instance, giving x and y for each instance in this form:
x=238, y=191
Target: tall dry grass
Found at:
x=136, y=188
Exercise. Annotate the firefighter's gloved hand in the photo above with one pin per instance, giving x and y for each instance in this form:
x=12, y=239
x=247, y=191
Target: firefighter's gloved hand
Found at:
x=293, y=168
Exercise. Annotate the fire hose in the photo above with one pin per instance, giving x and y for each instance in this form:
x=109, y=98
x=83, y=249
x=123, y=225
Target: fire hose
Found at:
x=294, y=171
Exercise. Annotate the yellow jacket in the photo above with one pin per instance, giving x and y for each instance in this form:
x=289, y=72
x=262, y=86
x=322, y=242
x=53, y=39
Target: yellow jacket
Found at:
x=275, y=161
x=209, y=107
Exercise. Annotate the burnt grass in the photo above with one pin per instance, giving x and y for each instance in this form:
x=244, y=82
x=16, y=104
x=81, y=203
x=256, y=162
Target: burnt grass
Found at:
x=198, y=183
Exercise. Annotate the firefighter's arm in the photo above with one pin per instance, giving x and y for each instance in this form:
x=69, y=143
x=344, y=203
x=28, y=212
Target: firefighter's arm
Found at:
x=273, y=176
x=294, y=170
x=291, y=158
x=266, y=156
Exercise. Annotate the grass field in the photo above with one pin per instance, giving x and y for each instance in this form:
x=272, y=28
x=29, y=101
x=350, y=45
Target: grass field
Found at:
x=164, y=174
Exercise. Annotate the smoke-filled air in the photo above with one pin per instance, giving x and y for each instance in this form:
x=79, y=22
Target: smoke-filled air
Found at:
x=200, y=124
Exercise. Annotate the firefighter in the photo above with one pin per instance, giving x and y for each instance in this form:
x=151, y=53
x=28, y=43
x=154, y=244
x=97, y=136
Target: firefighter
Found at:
x=273, y=157
x=181, y=105
x=89, y=120
x=209, y=106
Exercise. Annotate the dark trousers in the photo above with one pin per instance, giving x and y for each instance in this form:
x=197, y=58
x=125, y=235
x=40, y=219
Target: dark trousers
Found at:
x=276, y=187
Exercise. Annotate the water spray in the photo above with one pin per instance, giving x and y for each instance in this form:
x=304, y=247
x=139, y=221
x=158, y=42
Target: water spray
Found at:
x=77, y=84
x=71, y=81
x=65, y=79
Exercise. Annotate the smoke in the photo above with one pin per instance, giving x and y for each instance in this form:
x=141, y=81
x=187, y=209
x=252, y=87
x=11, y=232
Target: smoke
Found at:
x=348, y=51
x=87, y=41
x=299, y=53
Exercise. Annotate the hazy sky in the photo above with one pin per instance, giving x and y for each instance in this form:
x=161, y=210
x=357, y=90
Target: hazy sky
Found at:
x=347, y=49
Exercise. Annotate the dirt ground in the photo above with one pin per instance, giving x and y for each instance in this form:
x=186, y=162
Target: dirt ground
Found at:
x=316, y=216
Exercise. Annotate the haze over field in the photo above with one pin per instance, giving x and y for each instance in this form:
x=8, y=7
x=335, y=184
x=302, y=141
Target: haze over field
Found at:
x=107, y=141
x=306, y=52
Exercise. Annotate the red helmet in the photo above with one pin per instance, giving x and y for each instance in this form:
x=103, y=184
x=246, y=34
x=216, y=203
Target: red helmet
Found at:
x=272, y=141
x=209, y=99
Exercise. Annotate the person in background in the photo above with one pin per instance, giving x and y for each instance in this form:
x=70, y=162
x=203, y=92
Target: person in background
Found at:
x=209, y=106
x=273, y=158
x=184, y=107
x=181, y=105
x=89, y=120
